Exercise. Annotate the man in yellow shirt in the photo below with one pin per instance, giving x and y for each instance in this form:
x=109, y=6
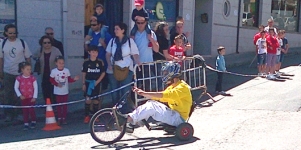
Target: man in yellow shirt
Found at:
x=177, y=95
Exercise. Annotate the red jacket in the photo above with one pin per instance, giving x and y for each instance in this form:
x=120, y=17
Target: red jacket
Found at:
x=272, y=44
x=256, y=37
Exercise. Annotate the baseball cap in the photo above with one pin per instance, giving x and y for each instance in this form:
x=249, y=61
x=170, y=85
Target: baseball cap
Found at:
x=139, y=2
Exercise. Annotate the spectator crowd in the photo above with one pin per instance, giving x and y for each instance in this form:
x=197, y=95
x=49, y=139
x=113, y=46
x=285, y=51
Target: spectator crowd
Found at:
x=110, y=61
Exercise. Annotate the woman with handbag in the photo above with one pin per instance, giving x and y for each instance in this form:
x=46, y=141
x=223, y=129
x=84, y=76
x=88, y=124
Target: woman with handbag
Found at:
x=120, y=63
x=46, y=56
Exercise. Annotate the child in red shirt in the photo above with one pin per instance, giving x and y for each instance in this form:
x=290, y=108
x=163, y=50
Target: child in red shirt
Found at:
x=176, y=52
x=26, y=88
x=272, y=45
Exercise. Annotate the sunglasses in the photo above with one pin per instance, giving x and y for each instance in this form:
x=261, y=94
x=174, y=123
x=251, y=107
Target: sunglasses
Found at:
x=49, y=33
x=93, y=25
x=12, y=33
x=46, y=42
x=140, y=22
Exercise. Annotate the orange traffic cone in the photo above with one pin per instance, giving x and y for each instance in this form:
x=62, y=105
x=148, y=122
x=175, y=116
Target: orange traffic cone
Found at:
x=50, y=118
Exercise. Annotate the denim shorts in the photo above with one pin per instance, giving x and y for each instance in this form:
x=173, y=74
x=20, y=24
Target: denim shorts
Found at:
x=278, y=58
x=281, y=57
x=262, y=59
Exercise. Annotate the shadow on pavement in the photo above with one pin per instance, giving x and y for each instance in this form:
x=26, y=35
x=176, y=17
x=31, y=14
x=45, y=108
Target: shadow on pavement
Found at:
x=148, y=143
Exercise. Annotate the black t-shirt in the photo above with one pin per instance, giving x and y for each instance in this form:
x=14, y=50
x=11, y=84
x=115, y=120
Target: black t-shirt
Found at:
x=93, y=69
x=163, y=45
x=172, y=38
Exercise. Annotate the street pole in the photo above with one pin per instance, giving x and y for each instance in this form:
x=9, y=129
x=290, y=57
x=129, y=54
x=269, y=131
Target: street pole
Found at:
x=238, y=26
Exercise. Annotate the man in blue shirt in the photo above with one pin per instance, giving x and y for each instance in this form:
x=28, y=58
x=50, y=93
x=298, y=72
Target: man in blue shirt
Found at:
x=146, y=45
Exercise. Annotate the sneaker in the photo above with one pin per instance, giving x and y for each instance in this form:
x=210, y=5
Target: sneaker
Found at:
x=222, y=93
x=129, y=128
x=26, y=127
x=33, y=125
x=271, y=77
x=87, y=119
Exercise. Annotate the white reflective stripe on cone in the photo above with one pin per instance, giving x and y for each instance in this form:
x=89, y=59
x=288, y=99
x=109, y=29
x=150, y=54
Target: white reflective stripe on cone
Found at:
x=49, y=108
x=50, y=120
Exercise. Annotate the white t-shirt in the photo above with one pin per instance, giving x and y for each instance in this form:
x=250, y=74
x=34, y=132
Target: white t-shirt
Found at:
x=127, y=52
x=280, y=45
x=62, y=78
x=262, y=45
x=13, y=53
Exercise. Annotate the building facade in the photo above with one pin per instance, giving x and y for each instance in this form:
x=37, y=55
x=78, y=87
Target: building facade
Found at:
x=211, y=23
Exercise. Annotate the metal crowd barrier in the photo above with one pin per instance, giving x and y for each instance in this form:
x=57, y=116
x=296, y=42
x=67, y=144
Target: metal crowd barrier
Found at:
x=148, y=75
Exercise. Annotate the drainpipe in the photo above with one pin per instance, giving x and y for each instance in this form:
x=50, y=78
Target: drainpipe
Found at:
x=238, y=26
x=64, y=28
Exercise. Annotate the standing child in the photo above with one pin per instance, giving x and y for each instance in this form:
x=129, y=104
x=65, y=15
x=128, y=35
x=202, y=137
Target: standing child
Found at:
x=261, y=44
x=60, y=77
x=176, y=52
x=272, y=45
x=139, y=11
x=26, y=88
x=93, y=73
x=278, y=53
x=220, y=66
x=284, y=49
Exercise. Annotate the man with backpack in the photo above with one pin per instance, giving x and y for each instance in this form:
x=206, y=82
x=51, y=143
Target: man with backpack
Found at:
x=12, y=52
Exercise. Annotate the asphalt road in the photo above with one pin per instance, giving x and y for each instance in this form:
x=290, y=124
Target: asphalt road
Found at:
x=261, y=114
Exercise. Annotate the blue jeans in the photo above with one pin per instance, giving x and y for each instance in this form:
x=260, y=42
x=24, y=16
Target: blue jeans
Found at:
x=103, y=31
x=116, y=84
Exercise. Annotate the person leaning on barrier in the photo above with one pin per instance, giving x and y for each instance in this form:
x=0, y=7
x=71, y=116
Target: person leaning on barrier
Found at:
x=120, y=64
x=161, y=31
x=146, y=46
x=177, y=96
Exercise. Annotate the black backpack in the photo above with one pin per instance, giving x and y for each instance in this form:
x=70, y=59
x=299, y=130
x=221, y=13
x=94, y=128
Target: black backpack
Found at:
x=22, y=41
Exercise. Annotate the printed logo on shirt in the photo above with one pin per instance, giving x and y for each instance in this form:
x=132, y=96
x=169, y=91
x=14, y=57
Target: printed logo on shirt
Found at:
x=12, y=52
x=61, y=78
x=263, y=44
x=93, y=70
x=179, y=54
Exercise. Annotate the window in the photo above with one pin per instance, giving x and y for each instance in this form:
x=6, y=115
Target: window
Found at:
x=7, y=14
x=285, y=14
x=226, y=8
x=250, y=13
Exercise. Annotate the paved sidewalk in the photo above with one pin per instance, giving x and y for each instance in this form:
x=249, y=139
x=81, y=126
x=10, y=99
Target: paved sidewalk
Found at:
x=232, y=61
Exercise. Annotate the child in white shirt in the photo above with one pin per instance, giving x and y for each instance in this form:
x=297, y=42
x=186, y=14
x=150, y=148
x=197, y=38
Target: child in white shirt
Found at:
x=60, y=77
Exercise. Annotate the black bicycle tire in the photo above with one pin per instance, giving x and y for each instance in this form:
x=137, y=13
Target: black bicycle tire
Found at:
x=94, y=117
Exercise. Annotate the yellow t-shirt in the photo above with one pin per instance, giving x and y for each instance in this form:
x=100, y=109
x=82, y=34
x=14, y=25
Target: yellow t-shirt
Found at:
x=179, y=98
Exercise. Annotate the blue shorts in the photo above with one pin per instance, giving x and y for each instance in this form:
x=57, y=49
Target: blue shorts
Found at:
x=278, y=58
x=261, y=59
x=281, y=57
